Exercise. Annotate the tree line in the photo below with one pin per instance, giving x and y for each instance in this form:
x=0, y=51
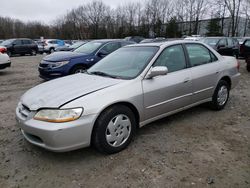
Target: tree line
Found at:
x=149, y=18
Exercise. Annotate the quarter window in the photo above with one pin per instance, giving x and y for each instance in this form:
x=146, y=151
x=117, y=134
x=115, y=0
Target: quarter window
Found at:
x=173, y=58
x=18, y=42
x=230, y=42
x=199, y=55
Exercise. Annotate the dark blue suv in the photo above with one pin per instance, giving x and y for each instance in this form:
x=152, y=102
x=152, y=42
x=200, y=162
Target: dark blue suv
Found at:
x=61, y=64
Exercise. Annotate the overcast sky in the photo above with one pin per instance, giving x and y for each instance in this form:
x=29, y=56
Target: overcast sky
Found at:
x=45, y=10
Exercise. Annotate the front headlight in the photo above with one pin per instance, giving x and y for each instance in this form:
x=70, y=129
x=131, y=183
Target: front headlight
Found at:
x=58, y=115
x=58, y=64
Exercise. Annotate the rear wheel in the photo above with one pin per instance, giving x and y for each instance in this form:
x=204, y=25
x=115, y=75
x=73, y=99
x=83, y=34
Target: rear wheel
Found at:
x=33, y=52
x=248, y=68
x=220, y=96
x=114, y=129
x=51, y=50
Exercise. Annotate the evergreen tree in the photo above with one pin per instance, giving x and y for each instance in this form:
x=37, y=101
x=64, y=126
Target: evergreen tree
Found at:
x=172, y=29
x=213, y=27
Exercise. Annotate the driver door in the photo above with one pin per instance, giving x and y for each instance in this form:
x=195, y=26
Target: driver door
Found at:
x=163, y=94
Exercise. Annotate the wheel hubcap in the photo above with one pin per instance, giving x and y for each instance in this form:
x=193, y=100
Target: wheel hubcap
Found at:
x=80, y=71
x=118, y=130
x=222, y=95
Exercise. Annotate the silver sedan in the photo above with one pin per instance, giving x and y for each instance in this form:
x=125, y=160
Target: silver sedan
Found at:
x=128, y=89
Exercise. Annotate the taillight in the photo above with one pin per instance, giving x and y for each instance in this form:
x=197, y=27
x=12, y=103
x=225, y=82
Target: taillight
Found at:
x=3, y=50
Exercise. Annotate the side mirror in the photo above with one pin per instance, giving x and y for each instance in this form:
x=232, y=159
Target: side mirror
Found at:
x=102, y=53
x=157, y=71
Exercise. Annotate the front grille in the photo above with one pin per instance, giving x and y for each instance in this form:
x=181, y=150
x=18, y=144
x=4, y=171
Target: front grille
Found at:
x=43, y=65
x=24, y=111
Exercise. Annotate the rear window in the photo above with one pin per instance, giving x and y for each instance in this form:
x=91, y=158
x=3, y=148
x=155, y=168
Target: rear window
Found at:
x=199, y=55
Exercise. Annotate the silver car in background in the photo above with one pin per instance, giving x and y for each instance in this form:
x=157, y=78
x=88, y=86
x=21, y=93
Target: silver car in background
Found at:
x=128, y=89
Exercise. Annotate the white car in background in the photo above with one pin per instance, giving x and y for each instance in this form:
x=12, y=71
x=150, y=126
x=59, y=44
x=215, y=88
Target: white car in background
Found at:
x=4, y=61
x=51, y=44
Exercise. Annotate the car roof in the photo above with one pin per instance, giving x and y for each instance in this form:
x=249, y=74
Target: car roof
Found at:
x=165, y=43
x=108, y=40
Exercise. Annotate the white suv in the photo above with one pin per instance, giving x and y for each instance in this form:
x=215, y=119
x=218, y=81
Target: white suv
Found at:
x=51, y=44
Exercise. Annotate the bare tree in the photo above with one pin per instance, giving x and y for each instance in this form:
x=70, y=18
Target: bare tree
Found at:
x=233, y=7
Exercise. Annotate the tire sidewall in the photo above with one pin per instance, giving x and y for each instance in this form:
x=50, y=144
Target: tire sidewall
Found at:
x=215, y=103
x=100, y=141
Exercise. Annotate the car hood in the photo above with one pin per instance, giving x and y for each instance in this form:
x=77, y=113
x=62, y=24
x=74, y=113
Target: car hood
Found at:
x=56, y=93
x=63, y=56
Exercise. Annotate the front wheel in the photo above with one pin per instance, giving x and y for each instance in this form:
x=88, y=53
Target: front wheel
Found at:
x=114, y=129
x=78, y=69
x=220, y=96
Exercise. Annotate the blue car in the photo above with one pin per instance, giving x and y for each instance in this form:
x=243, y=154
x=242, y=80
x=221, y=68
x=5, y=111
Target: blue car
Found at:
x=60, y=64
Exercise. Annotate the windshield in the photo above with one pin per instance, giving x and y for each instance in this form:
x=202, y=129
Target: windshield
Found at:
x=125, y=63
x=7, y=42
x=89, y=47
x=211, y=41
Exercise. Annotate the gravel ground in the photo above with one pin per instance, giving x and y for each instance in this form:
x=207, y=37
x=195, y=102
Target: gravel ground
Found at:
x=194, y=148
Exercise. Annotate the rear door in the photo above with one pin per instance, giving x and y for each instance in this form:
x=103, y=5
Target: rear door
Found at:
x=163, y=94
x=222, y=46
x=204, y=70
x=231, y=47
x=26, y=46
x=18, y=47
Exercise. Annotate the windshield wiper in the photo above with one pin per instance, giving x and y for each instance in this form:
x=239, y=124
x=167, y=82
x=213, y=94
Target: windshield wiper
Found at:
x=99, y=73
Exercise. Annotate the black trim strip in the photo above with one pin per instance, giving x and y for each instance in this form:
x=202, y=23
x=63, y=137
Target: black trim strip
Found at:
x=84, y=95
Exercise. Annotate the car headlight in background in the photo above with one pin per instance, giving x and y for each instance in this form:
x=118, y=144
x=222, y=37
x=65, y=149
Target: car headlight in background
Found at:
x=58, y=115
x=58, y=64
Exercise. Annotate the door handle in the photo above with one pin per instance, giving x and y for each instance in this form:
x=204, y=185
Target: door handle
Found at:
x=186, y=80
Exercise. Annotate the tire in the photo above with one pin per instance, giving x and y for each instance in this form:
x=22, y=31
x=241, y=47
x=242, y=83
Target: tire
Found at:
x=220, y=96
x=236, y=55
x=78, y=69
x=109, y=135
x=248, y=68
x=51, y=50
x=33, y=52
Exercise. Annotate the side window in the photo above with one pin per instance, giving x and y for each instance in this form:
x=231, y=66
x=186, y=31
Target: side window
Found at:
x=247, y=43
x=52, y=42
x=198, y=54
x=230, y=42
x=222, y=42
x=111, y=47
x=26, y=41
x=173, y=58
x=17, y=42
